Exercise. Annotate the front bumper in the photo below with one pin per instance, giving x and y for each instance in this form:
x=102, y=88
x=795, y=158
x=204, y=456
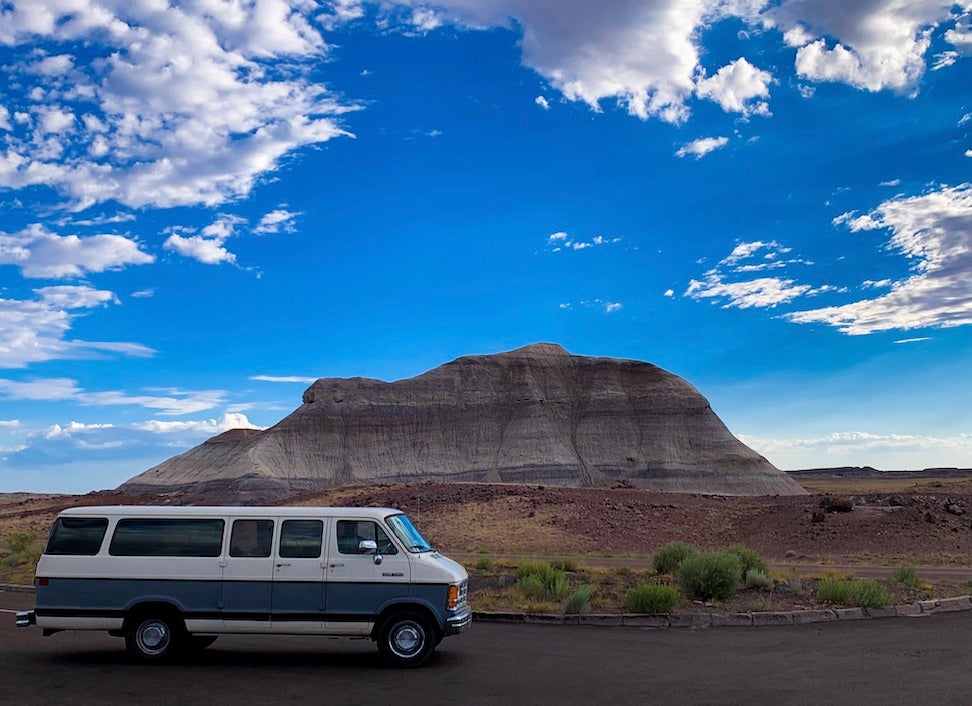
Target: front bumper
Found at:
x=459, y=622
x=26, y=619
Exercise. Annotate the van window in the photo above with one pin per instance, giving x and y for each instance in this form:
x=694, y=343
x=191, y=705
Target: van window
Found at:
x=172, y=537
x=301, y=539
x=77, y=535
x=351, y=532
x=251, y=538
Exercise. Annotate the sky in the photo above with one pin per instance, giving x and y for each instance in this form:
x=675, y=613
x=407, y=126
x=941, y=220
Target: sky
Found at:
x=206, y=205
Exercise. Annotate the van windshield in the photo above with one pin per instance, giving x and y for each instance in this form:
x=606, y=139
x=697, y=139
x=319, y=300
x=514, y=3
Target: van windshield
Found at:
x=403, y=528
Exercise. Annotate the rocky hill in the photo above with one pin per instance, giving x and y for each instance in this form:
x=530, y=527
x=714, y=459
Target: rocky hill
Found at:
x=533, y=415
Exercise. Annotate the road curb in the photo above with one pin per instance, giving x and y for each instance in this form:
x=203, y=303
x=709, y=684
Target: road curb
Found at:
x=702, y=620
x=715, y=620
x=15, y=588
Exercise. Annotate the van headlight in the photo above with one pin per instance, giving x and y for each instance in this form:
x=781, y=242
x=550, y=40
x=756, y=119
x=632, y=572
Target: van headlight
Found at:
x=457, y=596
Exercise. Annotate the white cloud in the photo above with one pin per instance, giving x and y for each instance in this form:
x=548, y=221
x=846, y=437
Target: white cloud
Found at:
x=40, y=253
x=209, y=251
x=762, y=292
x=560, y=241
x=871, y=45
x=542, y=102
x=279, y=220
x=934, y=231
x=918, y=339
x=968, y=153
x=206, y=426
x=611, y=307
x=722, y=282
x=36, y=330
x=284, y=378
x=669, y=293
x=887, y=451
x=735, y=86
x=701, y=147
x=176, y=107
x=171, y=402
x=56, y=431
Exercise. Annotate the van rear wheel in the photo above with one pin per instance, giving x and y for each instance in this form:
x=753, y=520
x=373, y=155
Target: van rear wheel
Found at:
x=406, y=639
x=154, y=638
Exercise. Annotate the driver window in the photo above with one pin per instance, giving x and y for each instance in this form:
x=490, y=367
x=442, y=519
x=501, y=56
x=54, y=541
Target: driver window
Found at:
x=351, y=532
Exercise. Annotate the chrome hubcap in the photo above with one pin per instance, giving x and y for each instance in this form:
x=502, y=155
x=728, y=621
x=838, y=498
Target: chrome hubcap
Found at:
x=153, y=637
x=407, y=639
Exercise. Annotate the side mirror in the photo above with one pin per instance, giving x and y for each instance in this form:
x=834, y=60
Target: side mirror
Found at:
x=370, y=546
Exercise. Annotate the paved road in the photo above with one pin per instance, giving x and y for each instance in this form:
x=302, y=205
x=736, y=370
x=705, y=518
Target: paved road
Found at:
x=894, y=661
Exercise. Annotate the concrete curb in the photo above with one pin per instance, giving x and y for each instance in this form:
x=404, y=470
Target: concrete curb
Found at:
x=716, y=620
x=702, y=620
x=15, y=588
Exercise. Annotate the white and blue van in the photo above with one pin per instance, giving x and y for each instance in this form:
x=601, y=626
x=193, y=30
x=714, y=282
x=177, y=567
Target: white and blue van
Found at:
x=168, y=579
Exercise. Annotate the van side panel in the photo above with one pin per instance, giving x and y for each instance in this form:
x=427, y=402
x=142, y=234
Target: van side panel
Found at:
x=105, y=602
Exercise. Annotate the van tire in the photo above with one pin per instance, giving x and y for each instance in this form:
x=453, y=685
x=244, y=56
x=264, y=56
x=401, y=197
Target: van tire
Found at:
x=406, y=639
x=154, y=637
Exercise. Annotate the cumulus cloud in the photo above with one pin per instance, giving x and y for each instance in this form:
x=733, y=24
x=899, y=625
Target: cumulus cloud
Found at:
x=206, y=426
x=645, y=56
x=41, y=253
x=874, y=45
x=279, y=220
x=934, y=232
x=701, y=147
x=36, y=330
x=542, y=102
x=189, y=105
x=734, y=88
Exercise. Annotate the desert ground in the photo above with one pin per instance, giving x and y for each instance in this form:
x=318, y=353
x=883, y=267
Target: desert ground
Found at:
x=846, y=526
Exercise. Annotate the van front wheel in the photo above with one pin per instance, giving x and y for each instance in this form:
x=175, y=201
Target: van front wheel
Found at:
x=406, y=639
x=153, y=638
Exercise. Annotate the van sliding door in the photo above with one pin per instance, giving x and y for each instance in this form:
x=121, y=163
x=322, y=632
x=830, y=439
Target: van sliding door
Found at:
x=248, y=576
x=298, y=577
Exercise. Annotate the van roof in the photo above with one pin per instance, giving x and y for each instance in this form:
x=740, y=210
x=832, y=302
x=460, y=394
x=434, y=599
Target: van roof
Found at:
x=226, y=511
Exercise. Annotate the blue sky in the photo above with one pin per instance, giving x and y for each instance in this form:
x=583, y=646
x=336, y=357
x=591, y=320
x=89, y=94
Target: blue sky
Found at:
x=204, y=206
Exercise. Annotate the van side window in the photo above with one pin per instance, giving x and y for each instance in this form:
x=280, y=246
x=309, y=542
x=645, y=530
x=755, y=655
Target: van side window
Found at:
x=77, y=535
x=351, y=532
x=173, y=537
x=301, y=539
x=251, y=538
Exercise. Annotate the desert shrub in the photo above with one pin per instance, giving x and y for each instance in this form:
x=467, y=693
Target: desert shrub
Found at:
x=541, y=581
x=564, y=565
x=669, y=557
x=758, y=579
x=712, y=574
x=623, y=571
x=17, y=563
x=906, y=576
x=749, y=558
x=485, y=564
x=865, y=594
x=579, y=602
x=651, y=598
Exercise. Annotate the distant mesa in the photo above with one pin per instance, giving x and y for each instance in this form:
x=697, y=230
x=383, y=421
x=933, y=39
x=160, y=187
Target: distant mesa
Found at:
x=533, y=415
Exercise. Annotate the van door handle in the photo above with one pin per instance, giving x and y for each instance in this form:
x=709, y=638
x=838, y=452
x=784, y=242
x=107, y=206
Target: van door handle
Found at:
x=279, y=565
x=334, y=566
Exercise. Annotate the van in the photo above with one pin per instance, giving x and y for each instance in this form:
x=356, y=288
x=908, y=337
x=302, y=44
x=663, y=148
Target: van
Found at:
x=172, y=579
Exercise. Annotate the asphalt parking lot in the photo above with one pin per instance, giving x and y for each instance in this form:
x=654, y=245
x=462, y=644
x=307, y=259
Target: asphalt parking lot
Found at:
x=900, y=661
